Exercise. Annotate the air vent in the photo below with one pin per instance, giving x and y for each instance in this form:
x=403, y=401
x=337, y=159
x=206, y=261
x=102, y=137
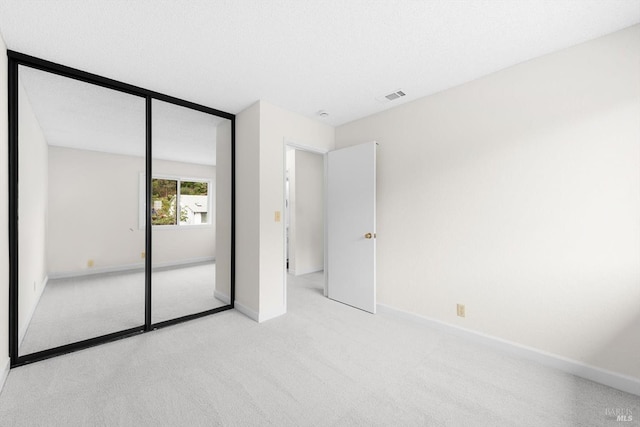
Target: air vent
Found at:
x=392, y=96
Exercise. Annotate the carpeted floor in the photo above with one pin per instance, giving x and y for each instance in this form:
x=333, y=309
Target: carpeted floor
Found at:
x=321, y=364
x=84, y=307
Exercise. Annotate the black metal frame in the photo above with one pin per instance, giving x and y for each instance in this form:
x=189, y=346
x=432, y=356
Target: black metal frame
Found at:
x=15, y=59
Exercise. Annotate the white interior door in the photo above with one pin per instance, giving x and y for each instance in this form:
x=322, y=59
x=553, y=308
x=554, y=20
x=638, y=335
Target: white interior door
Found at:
x=351, y=226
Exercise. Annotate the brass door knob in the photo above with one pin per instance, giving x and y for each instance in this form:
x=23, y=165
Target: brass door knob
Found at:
x=369, y=235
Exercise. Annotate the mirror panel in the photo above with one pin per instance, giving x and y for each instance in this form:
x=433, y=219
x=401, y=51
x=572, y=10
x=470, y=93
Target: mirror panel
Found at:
x=84, y=268
x=191, y=211
x=81, y=250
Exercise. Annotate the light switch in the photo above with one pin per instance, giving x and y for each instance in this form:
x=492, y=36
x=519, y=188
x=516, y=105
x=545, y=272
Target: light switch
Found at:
x=276, y=217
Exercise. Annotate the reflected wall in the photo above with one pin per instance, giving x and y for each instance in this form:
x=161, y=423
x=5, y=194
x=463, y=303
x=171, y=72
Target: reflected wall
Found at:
x=81, y=149
x=107, y=241
x=184, y=209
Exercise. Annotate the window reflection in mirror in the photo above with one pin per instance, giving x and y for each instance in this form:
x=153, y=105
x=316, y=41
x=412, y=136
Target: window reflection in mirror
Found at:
x=191, y=211
x=180, y=202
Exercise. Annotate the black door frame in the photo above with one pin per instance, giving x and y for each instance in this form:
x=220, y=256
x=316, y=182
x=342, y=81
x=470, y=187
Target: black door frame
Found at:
x=16, y=59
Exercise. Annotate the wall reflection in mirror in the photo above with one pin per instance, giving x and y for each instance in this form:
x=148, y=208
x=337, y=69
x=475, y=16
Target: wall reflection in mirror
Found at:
x=190, y=212
x=81, y=251
x=82, y=210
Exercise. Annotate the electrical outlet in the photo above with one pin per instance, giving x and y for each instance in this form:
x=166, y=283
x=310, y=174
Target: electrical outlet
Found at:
x=90, y=263
x=142, y=255
x=460, y=310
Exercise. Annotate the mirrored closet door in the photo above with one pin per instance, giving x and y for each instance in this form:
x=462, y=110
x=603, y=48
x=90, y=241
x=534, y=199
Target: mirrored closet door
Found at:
x=81, y=252
x=121, y=210
x=190, y=212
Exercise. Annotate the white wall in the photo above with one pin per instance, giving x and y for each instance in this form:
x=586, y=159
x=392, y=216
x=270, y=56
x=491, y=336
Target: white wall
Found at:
x=93, y=210
x=276, y=127
x=262, y=130
x=94, y=202
x=248, y=209
x=4, y=216
x=291, y=170
x=518, y=194
x=307, y=213
x=32, y=210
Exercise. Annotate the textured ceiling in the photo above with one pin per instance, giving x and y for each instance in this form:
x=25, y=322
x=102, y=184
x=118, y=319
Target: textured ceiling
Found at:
x=305, y=56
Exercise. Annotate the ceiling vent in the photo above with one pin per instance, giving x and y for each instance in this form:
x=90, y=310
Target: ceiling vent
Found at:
x=391, y=96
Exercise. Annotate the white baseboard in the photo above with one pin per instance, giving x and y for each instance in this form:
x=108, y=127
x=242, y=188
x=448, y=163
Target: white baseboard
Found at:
x=222, y=297
x=4, y=372
x=261, y=316
x=27, y=321
x=253, y=315
x=307, y=271
x=127, y=268
x=609, y=378
x=271, y=314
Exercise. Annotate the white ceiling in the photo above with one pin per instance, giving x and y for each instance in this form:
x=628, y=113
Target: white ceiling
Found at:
x=305, y=56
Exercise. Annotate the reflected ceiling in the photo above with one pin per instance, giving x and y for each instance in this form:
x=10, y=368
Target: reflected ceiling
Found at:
x=80, y=115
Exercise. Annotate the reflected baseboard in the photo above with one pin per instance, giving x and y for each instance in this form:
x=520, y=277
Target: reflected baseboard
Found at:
x=27, y=320
x=222, y=297
x=130, y=268
x=161, y=266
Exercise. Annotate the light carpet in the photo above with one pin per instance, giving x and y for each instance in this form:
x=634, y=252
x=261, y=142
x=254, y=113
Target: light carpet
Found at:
x=321, y=364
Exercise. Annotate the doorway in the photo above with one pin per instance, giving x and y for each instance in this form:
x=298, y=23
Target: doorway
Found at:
x=346, y=180
x=304, y=217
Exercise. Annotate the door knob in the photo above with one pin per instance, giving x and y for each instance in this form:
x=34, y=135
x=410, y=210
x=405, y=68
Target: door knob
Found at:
x=369, y=235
